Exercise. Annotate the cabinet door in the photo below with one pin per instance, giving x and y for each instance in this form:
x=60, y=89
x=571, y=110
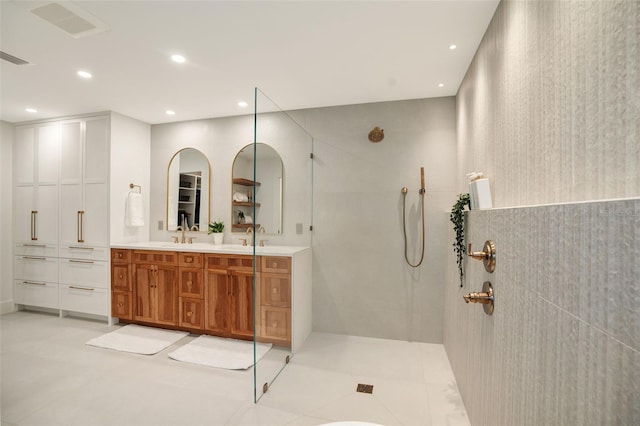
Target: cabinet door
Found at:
x=70, y=216
x=143, y=280
x=166, y=289
x=94, y=223
x=242, y=315
x=71, y=152
x=24, y=155
x=48, y=142
x=23, y=216
x=216, y=310
x=96, y=150
x=46, y=220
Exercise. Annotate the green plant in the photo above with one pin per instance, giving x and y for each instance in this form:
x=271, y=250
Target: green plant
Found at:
x=457, y=217
x=216, y=227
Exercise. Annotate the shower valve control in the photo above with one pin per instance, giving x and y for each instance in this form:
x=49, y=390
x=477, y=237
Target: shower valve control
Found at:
x=487, y=255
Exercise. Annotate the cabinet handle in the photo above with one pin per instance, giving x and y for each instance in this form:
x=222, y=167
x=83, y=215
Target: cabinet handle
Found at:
x=34, y=216
x=34, y=257
x=80, y=248
x=91, y=262
x=34, y=245
x=33, y=283
x=81, y=288
x=79, y=225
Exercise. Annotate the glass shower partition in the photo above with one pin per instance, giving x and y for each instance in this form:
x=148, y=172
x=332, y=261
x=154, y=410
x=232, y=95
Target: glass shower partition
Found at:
x=282, y=217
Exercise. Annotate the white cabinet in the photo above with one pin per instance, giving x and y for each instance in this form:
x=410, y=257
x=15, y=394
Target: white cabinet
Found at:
x=36, y=184
x=84, y=182
x=61, y=215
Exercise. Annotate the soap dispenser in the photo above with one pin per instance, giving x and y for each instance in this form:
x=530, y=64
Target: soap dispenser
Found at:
x=479, y=191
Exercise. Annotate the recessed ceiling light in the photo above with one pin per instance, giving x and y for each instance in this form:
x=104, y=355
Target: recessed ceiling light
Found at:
x=31, y=110
x=178, y=58
x=441, y=85
x=242, y=104
x=170, y=112
x=84, y=74
x=452, y=46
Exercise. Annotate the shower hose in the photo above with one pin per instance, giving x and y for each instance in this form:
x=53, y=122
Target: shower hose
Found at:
x=404, y=226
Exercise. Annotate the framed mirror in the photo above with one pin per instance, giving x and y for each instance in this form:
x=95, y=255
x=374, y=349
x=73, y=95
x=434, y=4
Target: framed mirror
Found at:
x=266, y=193
x=188, y=190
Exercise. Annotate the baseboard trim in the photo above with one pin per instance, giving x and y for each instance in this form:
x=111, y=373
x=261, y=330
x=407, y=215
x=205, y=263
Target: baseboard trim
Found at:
x=7, y=306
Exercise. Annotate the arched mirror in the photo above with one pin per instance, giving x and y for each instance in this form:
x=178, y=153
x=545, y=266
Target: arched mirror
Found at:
x=266, y=194
x=188, y=189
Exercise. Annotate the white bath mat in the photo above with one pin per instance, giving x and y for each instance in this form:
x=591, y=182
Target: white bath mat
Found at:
x=219, y=352
x=138, y=339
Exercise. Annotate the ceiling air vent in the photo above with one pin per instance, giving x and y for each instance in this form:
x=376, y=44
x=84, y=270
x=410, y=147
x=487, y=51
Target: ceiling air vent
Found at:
x=75, y=23
x=12, y=59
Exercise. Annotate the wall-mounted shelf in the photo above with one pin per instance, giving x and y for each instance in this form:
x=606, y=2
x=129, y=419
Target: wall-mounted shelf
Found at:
x=245, y=182
x=244, y=204
x=244, y=225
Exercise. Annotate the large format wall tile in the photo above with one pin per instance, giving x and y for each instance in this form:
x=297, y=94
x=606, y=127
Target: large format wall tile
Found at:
x=562, y=345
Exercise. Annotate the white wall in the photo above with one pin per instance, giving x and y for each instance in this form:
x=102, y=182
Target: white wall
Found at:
x=6, y=207
x=130, y=161
x=549, y=110
x=361, y=284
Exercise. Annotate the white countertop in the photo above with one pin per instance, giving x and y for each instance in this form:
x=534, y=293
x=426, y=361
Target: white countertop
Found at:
x=210, y=248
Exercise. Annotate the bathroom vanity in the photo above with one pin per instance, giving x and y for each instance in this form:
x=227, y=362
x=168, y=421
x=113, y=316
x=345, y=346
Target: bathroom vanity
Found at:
x=208, y=289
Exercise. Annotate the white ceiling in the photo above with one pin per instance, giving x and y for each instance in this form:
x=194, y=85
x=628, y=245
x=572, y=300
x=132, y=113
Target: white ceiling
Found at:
x=302, y=54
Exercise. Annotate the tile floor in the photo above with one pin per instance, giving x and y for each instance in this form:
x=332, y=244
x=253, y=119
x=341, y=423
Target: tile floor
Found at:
x=50, y=377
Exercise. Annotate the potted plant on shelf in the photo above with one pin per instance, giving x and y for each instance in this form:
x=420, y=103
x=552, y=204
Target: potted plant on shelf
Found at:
x=457, y=218
x=216, y=229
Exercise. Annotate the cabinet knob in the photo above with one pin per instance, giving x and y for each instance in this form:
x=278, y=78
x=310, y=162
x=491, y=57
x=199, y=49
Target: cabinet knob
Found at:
x=274, y=265
x=189, y=313
x=120, y=305
x=189, y=259
x=275, y=324
x=189, y=283
x=120, y=276
x=120, y=255
x=274, y=290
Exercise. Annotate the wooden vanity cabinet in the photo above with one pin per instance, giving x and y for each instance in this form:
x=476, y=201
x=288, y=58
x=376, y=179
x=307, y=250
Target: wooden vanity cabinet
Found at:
x=229, y=295
x=275, y=300
x=191, y=290
x=121, y=288
x=208, y=293
x=155, y=282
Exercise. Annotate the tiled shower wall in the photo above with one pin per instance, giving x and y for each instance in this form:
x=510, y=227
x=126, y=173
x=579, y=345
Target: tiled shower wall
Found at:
x=549, y=111
x=563, y=344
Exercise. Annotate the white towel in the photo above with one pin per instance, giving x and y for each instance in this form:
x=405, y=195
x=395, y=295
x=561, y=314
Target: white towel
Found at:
x=240, y=197
x=134, y=210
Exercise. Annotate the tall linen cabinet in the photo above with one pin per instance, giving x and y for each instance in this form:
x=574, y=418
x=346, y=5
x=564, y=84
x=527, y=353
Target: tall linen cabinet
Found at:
x=62, y=214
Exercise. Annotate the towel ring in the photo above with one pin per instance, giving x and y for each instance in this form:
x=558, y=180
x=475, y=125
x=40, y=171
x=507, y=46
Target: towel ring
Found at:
x=132, y=186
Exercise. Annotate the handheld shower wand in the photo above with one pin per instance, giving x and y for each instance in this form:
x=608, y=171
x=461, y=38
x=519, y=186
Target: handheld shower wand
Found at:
x=422, y=191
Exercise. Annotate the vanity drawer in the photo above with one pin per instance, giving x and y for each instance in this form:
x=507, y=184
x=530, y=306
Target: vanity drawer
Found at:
x=229, y=262
x=80, y=251
x=275, y=290
x=120, y=277
x=32, y=293
x=276, y=325
x=155, y=257
x=120, y=256
x=84, y=272
x=36, y=249
x=278, y=264
x=121, y=305
x=191, y=282
x=86, y=299
x=191, y=313
x=36, y=268
x=190, y=259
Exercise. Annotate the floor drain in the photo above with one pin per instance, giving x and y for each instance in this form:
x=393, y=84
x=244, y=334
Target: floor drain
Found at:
x=364, y=388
